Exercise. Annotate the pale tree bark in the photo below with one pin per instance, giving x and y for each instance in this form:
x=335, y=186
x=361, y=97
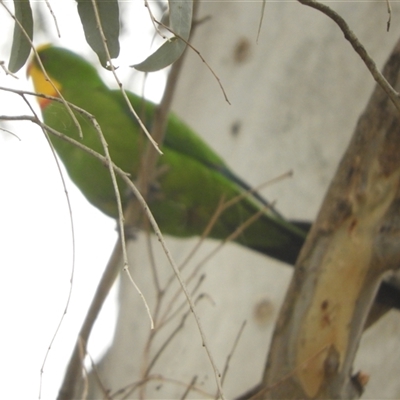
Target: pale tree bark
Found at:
x=352, y=245
x=296, y=97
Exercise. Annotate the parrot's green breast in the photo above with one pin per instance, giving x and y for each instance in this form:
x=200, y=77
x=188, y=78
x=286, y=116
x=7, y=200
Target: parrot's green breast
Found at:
x=90, y=174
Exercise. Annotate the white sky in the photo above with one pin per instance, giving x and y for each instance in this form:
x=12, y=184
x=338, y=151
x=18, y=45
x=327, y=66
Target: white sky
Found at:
x=35, y=231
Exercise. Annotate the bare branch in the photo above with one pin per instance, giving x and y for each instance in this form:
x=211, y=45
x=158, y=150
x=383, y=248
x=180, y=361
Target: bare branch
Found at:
x=358, y=47
x=352, y=245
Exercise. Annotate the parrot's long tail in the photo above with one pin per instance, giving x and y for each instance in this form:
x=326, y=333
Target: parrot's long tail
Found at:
x=269, y=233
x=281, y=244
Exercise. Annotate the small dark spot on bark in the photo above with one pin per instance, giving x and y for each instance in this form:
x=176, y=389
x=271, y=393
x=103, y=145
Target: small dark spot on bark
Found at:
x=263, y=311
x=324, y=305
x=352, y=225
x=350, y=173
x=384, y=228
x=342, y=210
x=235, y=128
x=241, y=51
x=326, y=319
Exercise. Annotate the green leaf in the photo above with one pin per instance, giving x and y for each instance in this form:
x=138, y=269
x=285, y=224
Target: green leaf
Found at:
x=168, y=53
x=181, y=17
x=180, y=23
x=21, y=46
x=108, y=11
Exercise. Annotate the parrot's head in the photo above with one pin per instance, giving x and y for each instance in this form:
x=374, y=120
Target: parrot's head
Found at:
x=64, y=68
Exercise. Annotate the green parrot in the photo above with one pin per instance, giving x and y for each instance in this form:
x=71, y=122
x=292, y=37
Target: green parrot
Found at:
x=192, y=178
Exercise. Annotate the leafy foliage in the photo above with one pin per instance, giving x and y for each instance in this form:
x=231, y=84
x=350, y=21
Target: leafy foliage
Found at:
x=170, y=51
x=108, y=13
x=21, y=46
x=101, y=22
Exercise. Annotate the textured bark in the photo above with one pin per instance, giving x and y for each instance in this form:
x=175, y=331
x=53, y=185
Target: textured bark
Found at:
x=352, y=245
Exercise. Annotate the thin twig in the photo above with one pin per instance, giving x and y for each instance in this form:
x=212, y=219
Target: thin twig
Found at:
x=389, y=10
x=153, y=19
x=108, y=278
x=182, y=284
x=75, y=121
x=235, y=343
x=222, y=206
x=112, y=174
x=189, y=388
x=152, y=262
x=166, y=342
x=134, y=386
x=111, y=66
x=9, y=132
x=6, y=70
x=111, y=272
x=201, y=58
x=71, y=220
x=165, y=321
x=107, y=160
x=261, y=20
x=169, y=313
x=95, y=372
x=148, y=165
x=358, y=47
x=54, y=17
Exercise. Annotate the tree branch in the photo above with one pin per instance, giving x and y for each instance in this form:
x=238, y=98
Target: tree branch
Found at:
x=352, y=244
x=358, y=47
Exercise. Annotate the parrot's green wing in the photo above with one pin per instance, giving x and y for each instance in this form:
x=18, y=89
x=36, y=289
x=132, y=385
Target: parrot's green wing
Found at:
x=182, y=139
x=193, y=179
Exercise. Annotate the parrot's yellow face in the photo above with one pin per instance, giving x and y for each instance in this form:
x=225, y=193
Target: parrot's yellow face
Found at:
x=41, y=83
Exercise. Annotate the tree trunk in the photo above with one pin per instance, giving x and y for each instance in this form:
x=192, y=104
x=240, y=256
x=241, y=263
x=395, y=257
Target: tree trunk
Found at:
x=352, y=245
x=296, y=96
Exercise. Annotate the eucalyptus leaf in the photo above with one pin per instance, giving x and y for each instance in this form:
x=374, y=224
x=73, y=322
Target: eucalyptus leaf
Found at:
x=165, y=55
x=180, y=23
x=108, y=11
x=21, y=46
x=181, y=17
